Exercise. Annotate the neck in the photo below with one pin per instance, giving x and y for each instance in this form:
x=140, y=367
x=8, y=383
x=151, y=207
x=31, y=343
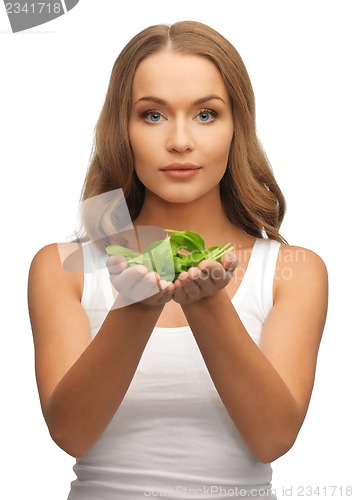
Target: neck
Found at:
x=204, y=216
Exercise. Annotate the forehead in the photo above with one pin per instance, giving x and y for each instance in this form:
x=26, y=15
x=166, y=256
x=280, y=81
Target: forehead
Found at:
x=169, y=75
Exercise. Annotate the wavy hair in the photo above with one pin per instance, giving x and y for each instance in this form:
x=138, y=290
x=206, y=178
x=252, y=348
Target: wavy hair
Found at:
x=250, y=195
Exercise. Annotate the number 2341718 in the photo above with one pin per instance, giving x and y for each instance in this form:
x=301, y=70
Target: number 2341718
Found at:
x=33, y=8
x=324, y=491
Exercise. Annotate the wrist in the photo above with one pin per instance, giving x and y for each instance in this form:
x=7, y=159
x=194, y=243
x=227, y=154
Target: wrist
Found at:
x=136, y=306
x=211, y=302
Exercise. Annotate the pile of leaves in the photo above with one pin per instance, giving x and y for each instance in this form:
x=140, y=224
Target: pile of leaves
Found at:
x=169, y=257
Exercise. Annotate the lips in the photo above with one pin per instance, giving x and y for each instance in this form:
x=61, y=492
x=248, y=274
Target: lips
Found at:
x=181, y=171
x=180, y=166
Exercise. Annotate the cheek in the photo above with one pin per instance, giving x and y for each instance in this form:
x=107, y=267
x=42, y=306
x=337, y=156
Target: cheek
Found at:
x=219, y=145
x=137, y=143
x=143, y=154
x=142, y=143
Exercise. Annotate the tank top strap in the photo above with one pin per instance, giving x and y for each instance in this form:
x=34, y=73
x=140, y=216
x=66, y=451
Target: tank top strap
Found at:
x=97, y=296
x=270, y=254
x=256, y=289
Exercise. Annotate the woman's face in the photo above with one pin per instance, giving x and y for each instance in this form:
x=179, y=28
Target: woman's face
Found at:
x=181, y=117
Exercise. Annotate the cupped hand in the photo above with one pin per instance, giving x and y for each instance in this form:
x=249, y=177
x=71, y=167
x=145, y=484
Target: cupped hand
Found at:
x=137, y=284
x=204, y=280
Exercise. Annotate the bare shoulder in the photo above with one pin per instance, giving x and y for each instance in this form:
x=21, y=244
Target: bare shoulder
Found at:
x=293, y=329
x=299, y=256
x=57, y=265
x=60, y=326
x=58, y=253
x=300, y=268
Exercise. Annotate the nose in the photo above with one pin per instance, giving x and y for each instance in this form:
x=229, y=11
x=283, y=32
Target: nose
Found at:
x=179, y=137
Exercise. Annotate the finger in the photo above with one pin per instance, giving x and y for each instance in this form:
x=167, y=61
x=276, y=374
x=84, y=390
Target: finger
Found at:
x=214, y=273
x=164, y=295
x=159, y=299
x=150, y=283
x=229, y=261
x=190, y=285
x=165, y=285
x=115, y=259
x=202, y=278
x=129, y=279
x=117, y=264
x=138, y=288
x=179, y=295
x=194, y=273
x=210, y=267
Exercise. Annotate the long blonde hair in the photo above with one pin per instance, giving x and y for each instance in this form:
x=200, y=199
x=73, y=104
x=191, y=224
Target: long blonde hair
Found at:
x=250, y=195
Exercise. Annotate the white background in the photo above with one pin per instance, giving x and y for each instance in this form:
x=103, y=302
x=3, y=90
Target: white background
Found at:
x=53, y=81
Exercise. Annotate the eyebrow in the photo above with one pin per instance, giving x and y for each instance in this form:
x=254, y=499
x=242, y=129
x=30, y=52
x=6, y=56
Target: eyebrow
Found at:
x=162, y=102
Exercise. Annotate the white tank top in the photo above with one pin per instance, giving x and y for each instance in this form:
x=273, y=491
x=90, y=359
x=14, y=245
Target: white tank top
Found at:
x=172, y=436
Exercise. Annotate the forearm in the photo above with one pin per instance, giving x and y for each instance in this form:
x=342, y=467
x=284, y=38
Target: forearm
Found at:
x=255, y=396
x=86, y=398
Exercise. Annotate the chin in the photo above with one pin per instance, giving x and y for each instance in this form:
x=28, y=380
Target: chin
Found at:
x=183, y=193
x=180, y=197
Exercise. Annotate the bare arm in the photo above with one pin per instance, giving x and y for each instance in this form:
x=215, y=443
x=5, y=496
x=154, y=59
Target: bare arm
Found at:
x=273, y=383
x=81, y=382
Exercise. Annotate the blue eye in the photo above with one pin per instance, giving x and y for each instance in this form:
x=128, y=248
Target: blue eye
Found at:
x=207, y=115
x=155, y=117
x=204, y=116
x=152, y=116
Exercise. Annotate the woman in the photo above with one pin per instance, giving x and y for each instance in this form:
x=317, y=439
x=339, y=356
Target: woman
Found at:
x=191, y=388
